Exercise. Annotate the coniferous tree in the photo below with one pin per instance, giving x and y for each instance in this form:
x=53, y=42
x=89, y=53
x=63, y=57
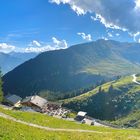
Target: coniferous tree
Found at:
x=110, y=90
x=100, y=89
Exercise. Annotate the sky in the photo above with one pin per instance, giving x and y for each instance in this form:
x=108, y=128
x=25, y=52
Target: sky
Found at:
x=43, y=25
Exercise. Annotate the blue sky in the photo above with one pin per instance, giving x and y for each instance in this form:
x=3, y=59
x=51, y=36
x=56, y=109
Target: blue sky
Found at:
x=37, y=25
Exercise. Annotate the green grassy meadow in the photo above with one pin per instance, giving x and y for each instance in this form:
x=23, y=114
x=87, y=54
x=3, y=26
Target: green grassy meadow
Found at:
x=10, y=130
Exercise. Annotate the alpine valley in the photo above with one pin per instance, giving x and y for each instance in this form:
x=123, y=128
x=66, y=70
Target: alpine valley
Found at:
x=70, y=70
x=100, y=78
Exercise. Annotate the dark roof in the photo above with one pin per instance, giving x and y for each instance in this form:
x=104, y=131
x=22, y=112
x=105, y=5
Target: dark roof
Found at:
x=13, y=99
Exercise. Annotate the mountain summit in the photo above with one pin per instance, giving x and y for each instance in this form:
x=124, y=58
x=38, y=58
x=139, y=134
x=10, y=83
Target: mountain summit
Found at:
x=79, y=66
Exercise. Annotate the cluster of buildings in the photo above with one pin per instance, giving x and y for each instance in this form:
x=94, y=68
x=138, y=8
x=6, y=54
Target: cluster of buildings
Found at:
x=38, y=104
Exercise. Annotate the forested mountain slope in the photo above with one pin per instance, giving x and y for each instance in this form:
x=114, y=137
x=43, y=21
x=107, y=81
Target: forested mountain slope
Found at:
x=110, y=101
x=62, y=71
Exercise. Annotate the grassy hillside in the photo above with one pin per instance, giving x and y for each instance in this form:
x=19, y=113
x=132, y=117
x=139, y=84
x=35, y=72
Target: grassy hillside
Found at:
x=16, y=131
x=109, y=101
x=11, y=130
x=61, y=72
x=131, y=120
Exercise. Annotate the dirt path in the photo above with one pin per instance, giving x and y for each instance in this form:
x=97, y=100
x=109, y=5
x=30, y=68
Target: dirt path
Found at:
x=135, y=79
x=47, y=128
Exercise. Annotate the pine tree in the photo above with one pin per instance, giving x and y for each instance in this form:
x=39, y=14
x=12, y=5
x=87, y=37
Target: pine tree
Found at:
x=100, y=89
x=110, y=90
x=1, y=93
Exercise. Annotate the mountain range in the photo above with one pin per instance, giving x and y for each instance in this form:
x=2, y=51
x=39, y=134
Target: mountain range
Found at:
x=60, y=72
x=8, y=61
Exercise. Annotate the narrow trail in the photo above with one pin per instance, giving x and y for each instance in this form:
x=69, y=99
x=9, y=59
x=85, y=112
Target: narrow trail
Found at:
x=48, y=128
x=135, y=79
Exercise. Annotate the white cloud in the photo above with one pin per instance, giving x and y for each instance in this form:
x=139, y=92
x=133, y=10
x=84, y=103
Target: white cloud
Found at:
x=135, y=35
x=137, y=2
x=105, y=38
x=35, y=43
x=85, y=37
x=117, y=34
x=38, y=49
x=35, y=46
x=109, y=34
x=6, y=48
x=59, y=44
x=78, y=10
x=56, y=45
x=59, y=1
x=107, y=24
x=116, y=14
